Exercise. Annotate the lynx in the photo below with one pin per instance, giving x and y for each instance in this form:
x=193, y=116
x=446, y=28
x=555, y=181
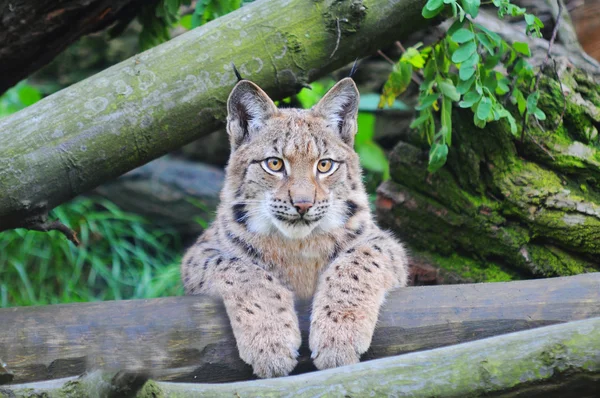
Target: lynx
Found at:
x=294, y=221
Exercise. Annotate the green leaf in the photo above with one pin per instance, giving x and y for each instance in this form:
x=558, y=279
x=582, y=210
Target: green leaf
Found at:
x=520, y=100
x=486, y=42
x=530, y=19
x=469, y=99
x=28, y=95
x=464, y=85
x=511, y=121
x=502, y=87
x=466, y=72
x=428, y=14
x=437, y=157
x=446, y=119
x=539, y=114
x=414, y=57
x=479, y=122
x=473, y=60
x=462, y=35
x=492, y=35
x=366, y=128
x=471, y=7
x=423, y=117
x=427, y=101
x=464, y=52
x=447, y=88
x=522, y=48
x=484, y=108
x=532, y=100
x=434, y=4
x=372, y=157
x=396, y=84
x=454, y=27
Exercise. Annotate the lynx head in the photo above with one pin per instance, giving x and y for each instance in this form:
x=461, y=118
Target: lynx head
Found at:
x=292, y=171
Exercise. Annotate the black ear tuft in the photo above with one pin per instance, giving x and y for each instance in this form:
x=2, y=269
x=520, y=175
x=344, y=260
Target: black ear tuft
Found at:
x=354, y=68
x=237, y=73
x=340, y=108
x=247, y=109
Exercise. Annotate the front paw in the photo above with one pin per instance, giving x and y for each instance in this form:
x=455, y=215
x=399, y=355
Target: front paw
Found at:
x=271, y=351
x=337, y=340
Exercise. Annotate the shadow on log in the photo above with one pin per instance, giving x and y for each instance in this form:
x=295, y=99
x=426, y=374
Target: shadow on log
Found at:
x=189, y=338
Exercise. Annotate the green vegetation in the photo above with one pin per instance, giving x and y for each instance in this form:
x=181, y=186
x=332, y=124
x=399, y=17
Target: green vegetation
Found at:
x=462, y=68
x=121, y=256
x=17, y=98
x=158, y=17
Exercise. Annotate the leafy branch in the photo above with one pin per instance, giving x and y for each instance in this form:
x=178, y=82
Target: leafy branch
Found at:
x=471, y=67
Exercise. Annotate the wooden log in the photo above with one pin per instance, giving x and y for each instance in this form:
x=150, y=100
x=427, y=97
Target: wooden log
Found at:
x=190, y=339
x=169, y=192
x=553, y=361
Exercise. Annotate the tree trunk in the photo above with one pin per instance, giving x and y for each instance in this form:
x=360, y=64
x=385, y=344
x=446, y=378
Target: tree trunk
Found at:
x=163, y=98
x=32, y=33
x=502, y=208
x=189, y=338
x=553, y=361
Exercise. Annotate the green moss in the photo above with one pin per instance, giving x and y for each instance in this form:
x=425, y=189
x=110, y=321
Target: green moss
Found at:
x=150, y=390
x=470, y=270
x=551, y=261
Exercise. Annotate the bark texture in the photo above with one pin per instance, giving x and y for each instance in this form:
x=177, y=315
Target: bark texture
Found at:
x=501, y=208
x=190, y=339
x=553, y=361
x=163, y=98
x=32, y=33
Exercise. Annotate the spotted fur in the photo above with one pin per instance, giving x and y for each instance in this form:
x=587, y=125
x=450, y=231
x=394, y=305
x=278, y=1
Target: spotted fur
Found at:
x=296, y=232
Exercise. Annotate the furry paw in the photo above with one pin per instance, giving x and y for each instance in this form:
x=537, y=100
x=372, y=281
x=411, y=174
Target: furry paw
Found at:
x=272, y=352
x=335, y=342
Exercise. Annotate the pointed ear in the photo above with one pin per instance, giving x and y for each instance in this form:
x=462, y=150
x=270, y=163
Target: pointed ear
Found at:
x=247, y=109
x=340, y=108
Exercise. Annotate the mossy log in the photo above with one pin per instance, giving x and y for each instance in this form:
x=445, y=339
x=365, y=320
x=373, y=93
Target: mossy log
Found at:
x=157, y=101
x=552, y=361
x=190, y=339
x=500, y=208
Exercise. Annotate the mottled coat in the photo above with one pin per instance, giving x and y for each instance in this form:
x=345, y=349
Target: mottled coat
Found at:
x=294, y=221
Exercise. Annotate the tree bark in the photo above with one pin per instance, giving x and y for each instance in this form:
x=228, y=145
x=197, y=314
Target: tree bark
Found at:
x=32, y=33
x=190, y=339
x=163, y=98
x=553, y=361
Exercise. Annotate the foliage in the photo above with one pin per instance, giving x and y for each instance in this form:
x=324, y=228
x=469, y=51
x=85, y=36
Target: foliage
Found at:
x=472, y=67
x=121, y=256
x=372, y=156
x=17, y=98
x=156, y=18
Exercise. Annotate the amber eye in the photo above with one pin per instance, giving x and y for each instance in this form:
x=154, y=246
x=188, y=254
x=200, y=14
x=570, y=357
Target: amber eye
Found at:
x=274, y=164
x=324, y=165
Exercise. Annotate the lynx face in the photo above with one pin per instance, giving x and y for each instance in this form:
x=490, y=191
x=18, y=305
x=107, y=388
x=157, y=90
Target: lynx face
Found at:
x=292, y=168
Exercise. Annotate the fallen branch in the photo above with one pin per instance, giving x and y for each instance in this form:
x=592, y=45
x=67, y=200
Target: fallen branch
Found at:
x=553, y=361
x=190, y=339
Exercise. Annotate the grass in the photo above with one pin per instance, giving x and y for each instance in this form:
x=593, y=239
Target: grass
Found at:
x=121, y=256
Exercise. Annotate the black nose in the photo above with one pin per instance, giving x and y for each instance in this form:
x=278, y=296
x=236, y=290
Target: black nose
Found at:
x=302, y=207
